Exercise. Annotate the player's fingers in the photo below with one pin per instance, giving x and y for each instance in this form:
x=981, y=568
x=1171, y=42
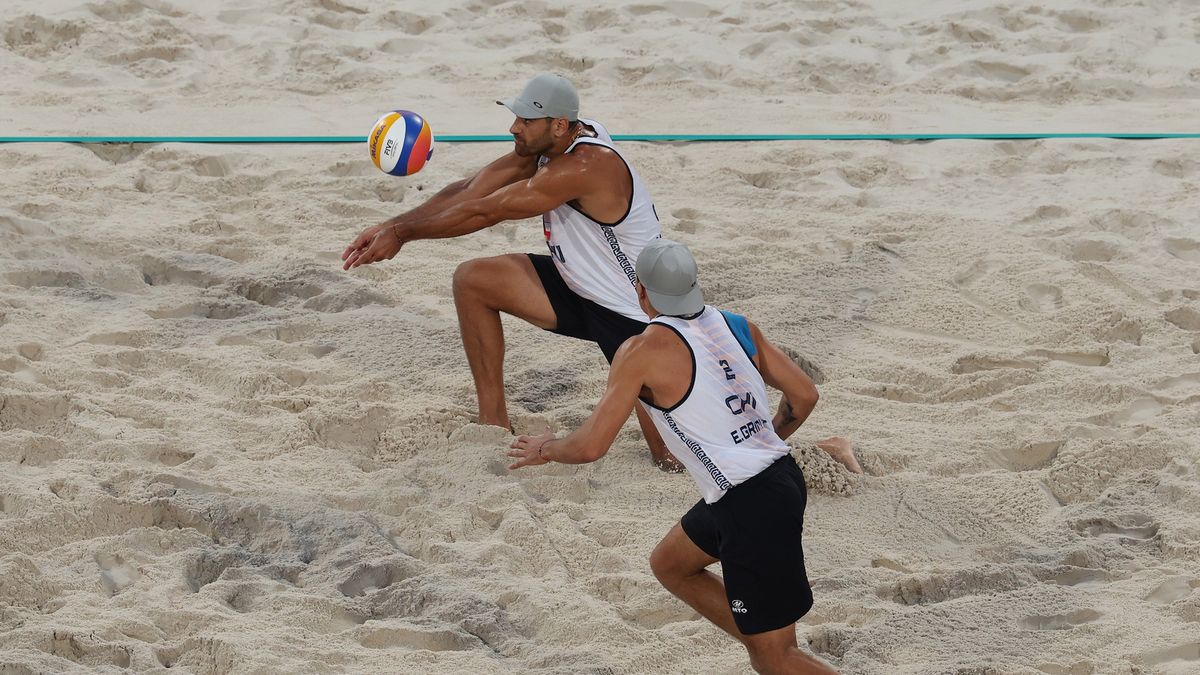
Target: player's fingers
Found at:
x=365, y=258
x=359, y=241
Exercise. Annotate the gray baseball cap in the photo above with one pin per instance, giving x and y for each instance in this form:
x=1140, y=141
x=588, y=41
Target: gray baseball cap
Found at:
x=668, y=271
x=546, y=96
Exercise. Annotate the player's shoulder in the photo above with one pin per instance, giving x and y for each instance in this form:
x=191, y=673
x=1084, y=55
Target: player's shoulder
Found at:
x=652, y=342
x=594, y=155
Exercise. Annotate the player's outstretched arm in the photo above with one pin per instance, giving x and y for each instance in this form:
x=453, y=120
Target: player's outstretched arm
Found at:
x=593, y=438
x=509, y=169
x=799, y=393
x=546, y=190
x=506, y=170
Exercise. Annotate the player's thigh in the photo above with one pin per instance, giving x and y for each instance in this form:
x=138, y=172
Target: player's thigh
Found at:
x=678, y=556
x=507, y=283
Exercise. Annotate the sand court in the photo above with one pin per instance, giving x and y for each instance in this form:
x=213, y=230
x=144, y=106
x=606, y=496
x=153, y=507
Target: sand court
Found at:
x=221, y=453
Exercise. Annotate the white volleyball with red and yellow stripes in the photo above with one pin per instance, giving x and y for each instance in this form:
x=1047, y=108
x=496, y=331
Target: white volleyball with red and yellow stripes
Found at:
x=400, y=143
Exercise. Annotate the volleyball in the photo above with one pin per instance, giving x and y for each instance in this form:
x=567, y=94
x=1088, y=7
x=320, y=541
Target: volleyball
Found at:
x=400, y=143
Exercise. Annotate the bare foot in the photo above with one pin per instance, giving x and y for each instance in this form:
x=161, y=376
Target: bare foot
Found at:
x=842, y=451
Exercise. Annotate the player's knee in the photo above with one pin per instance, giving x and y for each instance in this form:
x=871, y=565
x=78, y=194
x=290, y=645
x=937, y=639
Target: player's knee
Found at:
x=665, y=567
x=766, y=659
x=660, y=564
x=467, y=277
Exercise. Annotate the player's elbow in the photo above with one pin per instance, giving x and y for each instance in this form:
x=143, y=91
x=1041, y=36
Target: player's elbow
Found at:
x=805, y=399
x=593, y=452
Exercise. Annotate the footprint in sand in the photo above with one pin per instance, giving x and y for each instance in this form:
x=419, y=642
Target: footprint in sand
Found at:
x=1046, y=212
x=416, y=637
x=218, y=309
x=87, y=650
x=975, y=363
x=1083, y=577
x=1083, y=22
x=1042, y=298
x=32, y=412
x=346, y=299
x=34, y=36
x=367, y=579
x=172, y=456
x=275, y=292
x=31, y=350
x=1184, y=249
x=1173, y=590
x=1184, y=317
x=1092, y=250
x=1131, y=526
x=1175, y=168
x=212, y=167
x=1089, y=359
x=1060, y=621
x=1185, y=656
x=116, y=574
x=1180, y=385
x=1030, y=456
x=50, y=278
x=191, y=269
x=209, y=565
x=243, y=597
x=1139, y=411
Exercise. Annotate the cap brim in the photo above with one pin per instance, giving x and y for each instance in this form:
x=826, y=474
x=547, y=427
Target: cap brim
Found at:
x=523, y=110
x=677, y=305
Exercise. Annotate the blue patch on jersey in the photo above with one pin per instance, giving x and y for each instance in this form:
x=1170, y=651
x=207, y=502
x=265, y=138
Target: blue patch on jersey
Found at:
x=741, y=330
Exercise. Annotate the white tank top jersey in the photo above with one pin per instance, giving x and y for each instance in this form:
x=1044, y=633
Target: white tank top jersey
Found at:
x=596, y=259
x=721, y=431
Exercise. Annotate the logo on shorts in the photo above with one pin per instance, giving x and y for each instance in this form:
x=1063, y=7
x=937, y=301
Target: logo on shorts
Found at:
x=739, y=607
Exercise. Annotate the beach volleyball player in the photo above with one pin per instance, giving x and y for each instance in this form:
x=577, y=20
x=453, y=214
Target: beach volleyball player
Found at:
x=701, y=374
x=597, y=215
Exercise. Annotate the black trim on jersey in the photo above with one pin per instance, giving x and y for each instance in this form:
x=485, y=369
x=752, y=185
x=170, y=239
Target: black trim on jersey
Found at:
x=691, y=385
x=735, y=339
x=719, y=478
x=591, y=140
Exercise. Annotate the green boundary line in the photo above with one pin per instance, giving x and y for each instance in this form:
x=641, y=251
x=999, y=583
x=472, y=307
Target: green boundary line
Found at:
x=736, y=138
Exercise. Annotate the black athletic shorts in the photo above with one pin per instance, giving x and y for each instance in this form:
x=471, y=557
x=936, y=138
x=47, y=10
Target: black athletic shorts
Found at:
x=754, y=530
x=581, y=318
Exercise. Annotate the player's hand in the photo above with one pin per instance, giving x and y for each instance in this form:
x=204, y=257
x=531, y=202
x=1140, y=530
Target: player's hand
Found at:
x=526, y=449
x=378, y=242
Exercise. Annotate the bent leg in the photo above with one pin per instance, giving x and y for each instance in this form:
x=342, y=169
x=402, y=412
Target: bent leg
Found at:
x=483, y=288
x=680, y=566
x=776, y=652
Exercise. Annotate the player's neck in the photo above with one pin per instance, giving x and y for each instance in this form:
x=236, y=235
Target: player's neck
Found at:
x=562, y=145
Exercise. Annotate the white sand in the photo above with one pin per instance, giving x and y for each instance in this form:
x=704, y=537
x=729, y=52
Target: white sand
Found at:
x=221, y=453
